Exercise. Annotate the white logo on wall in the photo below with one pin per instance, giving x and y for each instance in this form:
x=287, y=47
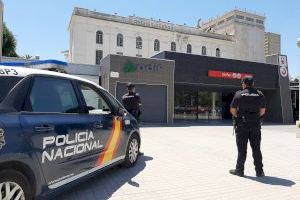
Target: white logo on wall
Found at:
x=283, y=66
x=283, y=71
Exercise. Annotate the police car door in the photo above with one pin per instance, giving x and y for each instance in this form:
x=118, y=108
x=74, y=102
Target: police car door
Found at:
x=58, y=130
x=108, y=127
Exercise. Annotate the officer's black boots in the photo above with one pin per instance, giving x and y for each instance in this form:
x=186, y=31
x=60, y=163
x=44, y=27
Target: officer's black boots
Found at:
x=260, y=174
x=241, y=174
x=236, y=172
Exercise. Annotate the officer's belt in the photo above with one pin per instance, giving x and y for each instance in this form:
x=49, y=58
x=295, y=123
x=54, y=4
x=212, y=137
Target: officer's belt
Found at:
x=248, y=117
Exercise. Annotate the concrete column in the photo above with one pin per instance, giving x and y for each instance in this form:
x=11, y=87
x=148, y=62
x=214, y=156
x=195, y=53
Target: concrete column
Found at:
x=295, y=97
x=213, y=110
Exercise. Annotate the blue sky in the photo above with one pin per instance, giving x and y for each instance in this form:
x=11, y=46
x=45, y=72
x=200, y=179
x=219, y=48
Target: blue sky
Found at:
x=40, y=26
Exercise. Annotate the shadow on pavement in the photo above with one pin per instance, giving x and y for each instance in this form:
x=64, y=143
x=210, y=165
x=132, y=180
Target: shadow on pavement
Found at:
x=189, y=123
x=270, y=180
x=104, y=185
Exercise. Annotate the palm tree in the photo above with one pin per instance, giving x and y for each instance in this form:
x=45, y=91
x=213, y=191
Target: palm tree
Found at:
x=27, y=56
x=9, y=43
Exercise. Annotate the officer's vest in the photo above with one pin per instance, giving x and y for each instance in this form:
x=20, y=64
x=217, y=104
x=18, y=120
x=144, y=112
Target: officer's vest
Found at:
x=249, y=115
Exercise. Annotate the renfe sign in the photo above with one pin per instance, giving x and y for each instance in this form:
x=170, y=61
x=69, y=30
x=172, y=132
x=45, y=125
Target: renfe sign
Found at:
x=227, y=75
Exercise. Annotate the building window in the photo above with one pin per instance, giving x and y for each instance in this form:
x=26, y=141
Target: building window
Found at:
x=139, y=43
x=229, y=18
x=99, y=55
x=249, y=19
x=203, y=50
x=173, y=46
x=240, y=17
x=259, y=21
x=156, y=45
x=189, y=48
x=218, y=52
x=99, y=37
x=120, y=40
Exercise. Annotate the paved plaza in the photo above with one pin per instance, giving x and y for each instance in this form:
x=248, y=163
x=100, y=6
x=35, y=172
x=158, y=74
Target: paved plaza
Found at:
x=192, y=162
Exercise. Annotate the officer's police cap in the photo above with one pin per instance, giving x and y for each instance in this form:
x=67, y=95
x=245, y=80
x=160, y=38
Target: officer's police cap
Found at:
x=130, y=85
x=248, y=80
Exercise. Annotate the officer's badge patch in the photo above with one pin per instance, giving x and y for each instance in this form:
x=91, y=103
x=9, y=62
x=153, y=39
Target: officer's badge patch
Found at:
x=2, y=139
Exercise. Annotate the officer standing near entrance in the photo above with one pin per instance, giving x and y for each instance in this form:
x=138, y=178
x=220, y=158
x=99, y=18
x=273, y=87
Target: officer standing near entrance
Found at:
x=132, y=102
x=248, y=107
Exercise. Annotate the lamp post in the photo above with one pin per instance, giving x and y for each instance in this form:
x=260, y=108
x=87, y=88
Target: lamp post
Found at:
x=298, y=122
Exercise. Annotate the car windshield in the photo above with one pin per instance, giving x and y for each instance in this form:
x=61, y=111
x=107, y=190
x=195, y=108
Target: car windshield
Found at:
x=6, y=84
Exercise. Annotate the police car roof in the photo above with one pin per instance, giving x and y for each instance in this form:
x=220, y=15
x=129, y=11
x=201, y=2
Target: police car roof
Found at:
x=23, y=72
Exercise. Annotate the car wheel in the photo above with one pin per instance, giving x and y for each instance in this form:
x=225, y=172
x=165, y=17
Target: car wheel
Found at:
x=132, y=152
x=14, y=186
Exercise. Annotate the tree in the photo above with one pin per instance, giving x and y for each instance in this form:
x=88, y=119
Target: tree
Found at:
x=9, y=43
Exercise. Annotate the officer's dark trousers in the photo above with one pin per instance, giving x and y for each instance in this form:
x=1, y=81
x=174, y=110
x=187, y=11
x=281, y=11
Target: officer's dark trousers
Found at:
x=136, y=114
x=253, y=134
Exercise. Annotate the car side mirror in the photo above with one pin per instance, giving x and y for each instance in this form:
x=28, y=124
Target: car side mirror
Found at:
x=121, y=112
x=90, y=108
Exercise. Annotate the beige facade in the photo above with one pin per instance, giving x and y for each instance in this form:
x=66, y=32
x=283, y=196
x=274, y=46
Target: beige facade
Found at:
x=272, y=44
x=233, y=38
x=248, y=30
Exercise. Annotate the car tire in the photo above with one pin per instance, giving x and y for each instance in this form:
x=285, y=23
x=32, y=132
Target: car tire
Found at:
x=132, y=151
x=16, y=183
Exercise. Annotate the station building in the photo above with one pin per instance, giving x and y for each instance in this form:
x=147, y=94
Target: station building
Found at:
x=180, y=86
x=182, y=72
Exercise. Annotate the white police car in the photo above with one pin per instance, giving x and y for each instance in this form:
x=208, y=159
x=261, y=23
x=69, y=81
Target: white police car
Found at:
x=56, y=129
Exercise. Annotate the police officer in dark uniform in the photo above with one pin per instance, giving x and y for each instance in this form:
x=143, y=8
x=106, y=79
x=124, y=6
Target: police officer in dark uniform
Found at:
x=248, y=107
x=132, y=102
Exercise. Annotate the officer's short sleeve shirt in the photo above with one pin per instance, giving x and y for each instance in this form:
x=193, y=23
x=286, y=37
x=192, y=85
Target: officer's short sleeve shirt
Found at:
x=236, y=99
x=262, y=100
x=249, y=99
x=131, y=101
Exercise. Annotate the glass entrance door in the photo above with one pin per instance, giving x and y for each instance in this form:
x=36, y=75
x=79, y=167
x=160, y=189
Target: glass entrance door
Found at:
x=209, y=105
x=185, y=105
x=193, y=104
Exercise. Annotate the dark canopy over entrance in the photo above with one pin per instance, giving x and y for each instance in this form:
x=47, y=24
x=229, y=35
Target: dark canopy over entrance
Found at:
x=204, y=86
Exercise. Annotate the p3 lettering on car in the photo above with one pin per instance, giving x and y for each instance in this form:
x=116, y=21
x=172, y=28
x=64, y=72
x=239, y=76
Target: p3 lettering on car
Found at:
x=68, y=145
x=8, y=71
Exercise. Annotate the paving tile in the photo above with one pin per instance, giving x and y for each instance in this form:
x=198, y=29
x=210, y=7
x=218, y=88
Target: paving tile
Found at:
x=192, y=163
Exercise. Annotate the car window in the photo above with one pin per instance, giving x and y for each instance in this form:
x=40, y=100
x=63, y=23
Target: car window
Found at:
x=115, y=103
x=53, y=95
x=6, y=84
x=94, y=101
